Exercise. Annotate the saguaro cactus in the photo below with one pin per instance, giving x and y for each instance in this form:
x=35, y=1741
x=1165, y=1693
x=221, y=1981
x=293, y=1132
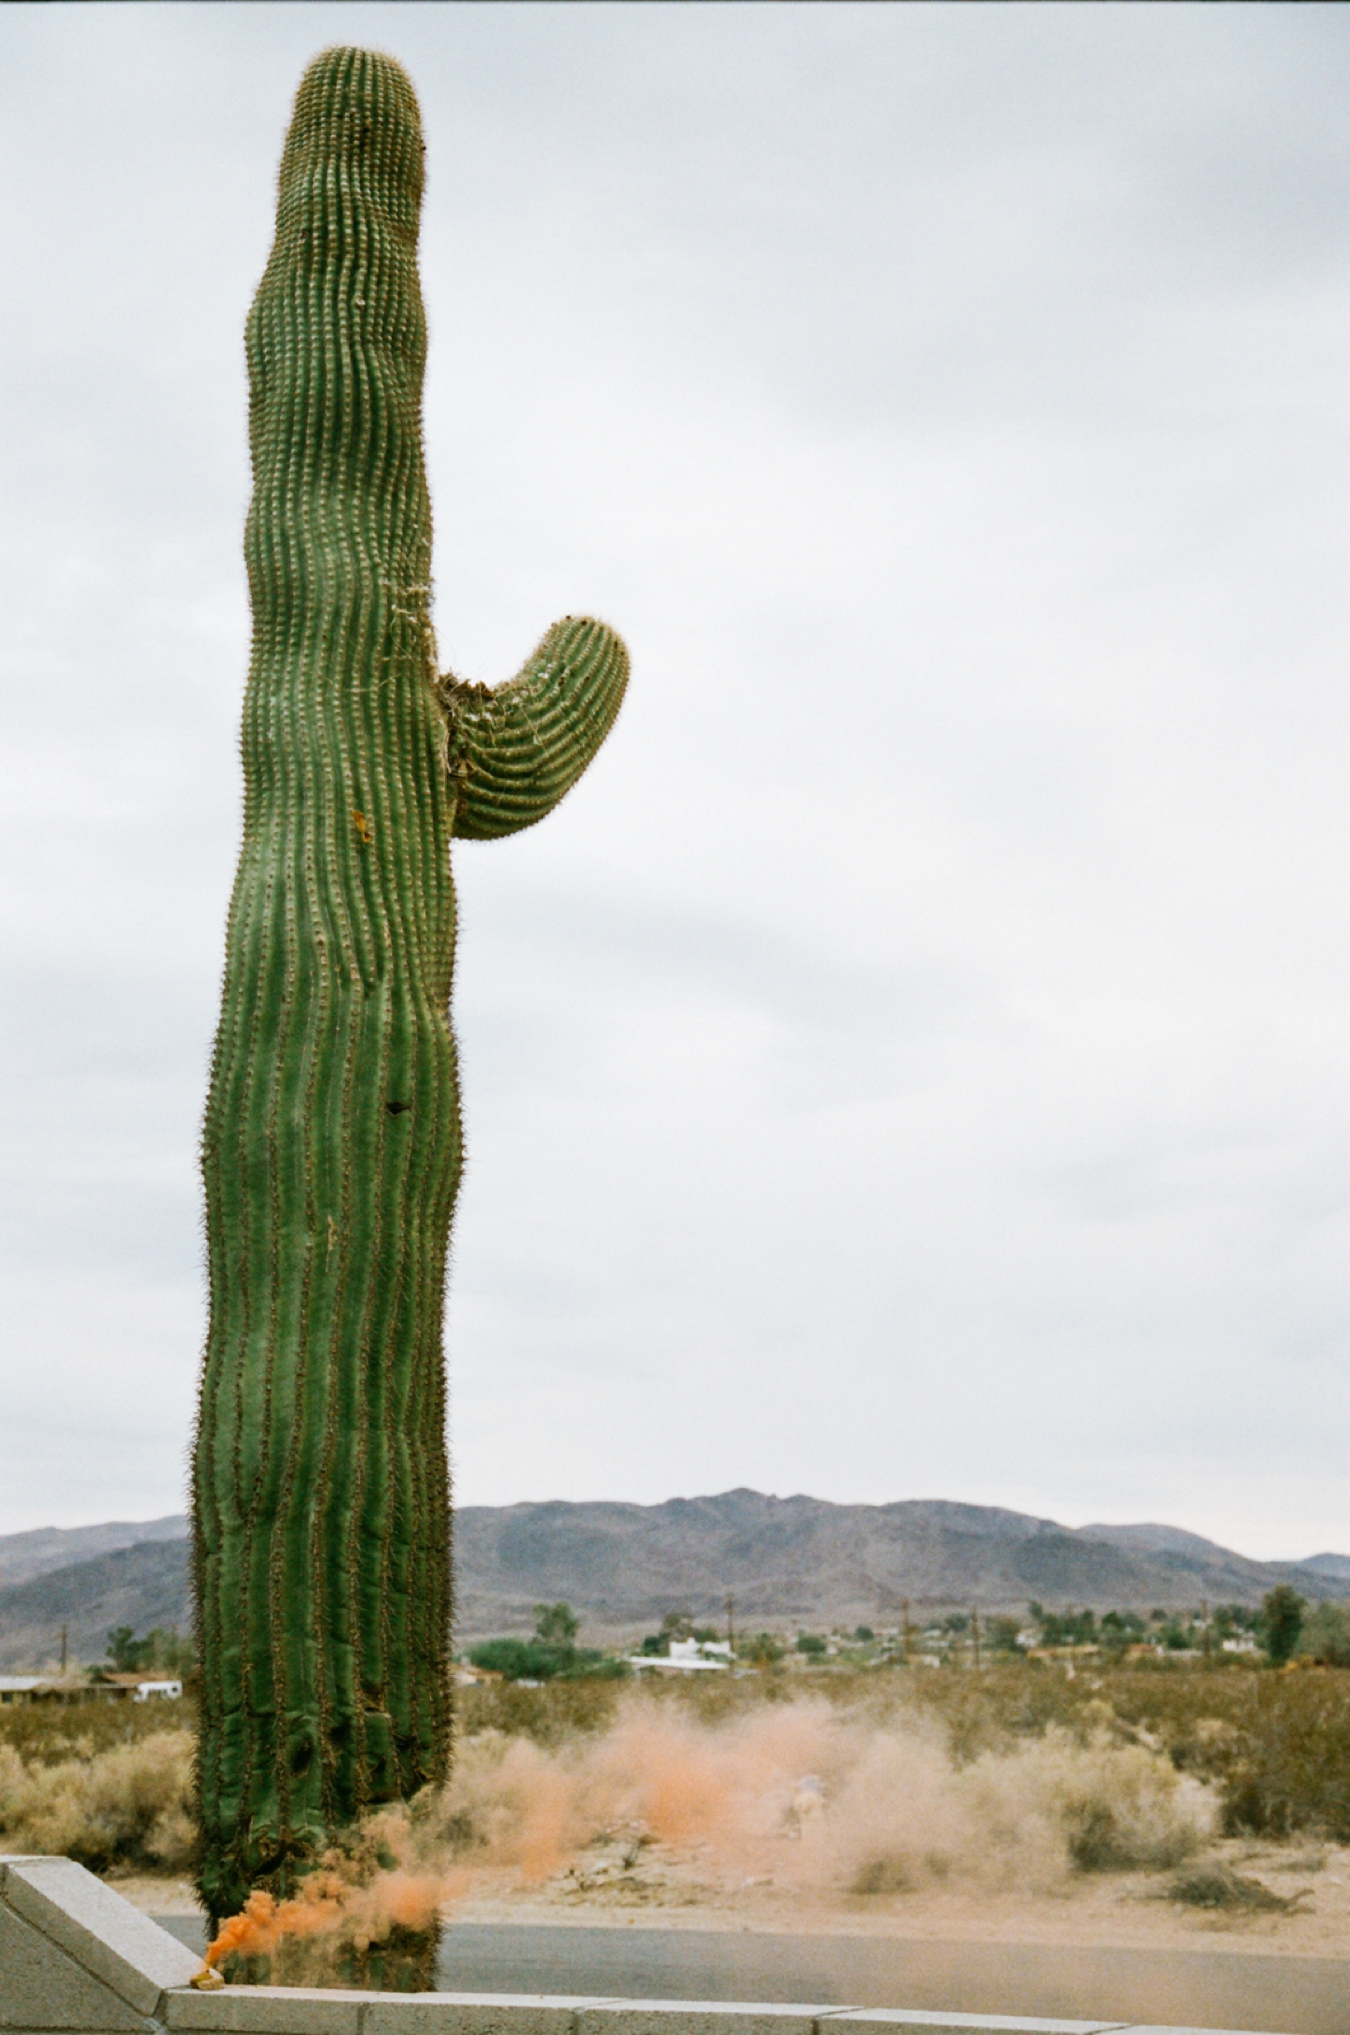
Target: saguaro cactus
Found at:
x=331, y=1147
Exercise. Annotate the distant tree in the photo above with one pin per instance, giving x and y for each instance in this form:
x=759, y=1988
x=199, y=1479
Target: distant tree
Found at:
x=555, y=1624
x=1000, y=1635
x=125, y=1651
x=1282, y=1612
x=163, y=1652
x=811, y=1643
x=536, y=1660
x=1063, y=1628
x=705, y=1633
x=517, y=1659
x=1326, y=1635
x=761, y=1649
x=863, y=1633
x=675, y=1625
x=1120, y=1629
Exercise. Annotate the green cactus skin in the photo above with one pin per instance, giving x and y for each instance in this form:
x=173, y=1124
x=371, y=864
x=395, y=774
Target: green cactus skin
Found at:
x=331, y=1145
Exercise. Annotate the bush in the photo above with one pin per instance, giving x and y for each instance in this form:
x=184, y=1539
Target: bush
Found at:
x=760, y=1650
x=535, y=1660
x=1000, y=1635
x=128, y=1807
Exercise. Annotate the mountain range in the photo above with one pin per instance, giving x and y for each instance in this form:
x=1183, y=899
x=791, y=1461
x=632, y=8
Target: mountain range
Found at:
x=784, y=1562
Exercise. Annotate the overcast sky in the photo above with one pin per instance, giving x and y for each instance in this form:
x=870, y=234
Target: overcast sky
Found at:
x=914, y=1062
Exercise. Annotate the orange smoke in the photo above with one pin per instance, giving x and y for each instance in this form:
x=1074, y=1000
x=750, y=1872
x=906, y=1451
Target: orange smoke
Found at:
x=827, y=1802
x=331, y=1905
x=823, y=1802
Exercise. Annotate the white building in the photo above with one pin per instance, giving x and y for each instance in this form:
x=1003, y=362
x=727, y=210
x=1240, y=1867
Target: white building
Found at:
x=687, y=1656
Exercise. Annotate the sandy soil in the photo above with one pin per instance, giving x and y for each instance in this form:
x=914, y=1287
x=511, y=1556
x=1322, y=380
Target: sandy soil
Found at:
x=668, y=1888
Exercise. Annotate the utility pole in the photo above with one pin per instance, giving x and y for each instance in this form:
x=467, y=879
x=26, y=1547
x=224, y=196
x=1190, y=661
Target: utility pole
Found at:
x=1204, y=1627
x=904, y=1630
x=731, y=1627
x=975, y=1634
x=63, y=1649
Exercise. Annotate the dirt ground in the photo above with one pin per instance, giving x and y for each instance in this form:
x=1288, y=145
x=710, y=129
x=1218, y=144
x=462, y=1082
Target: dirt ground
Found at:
x=1261, y=1897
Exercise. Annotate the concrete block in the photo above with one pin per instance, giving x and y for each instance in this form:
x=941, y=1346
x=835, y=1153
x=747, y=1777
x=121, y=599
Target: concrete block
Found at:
x=268, y=2010
x=891, y=2020
x=473, y=2014
x=41, y=1987
x=98, y=1929
x=696, y=2017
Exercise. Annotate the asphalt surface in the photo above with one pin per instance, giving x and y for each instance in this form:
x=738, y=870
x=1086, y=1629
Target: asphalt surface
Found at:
x=1180, y=1988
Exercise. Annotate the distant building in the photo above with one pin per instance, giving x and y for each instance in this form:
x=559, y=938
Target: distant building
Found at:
x=47, y=1689
x=142, y=1688
x=687, y=1656
x=18, y=1688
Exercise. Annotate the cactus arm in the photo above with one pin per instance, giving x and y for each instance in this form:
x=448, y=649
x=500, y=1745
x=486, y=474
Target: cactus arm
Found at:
x=518, y=748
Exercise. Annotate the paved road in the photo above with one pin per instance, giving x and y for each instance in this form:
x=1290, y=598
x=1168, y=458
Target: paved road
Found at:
x=1186, y=1988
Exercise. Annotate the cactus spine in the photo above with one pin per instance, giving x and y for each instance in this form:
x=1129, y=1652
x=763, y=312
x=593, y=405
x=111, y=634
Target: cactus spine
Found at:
x=331, y=1146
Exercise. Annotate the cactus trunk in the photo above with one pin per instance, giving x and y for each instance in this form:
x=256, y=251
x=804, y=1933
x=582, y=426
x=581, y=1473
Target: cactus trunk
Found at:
x=331, y=1147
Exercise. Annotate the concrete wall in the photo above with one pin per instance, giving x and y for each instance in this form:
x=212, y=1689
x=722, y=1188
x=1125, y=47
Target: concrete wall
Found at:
x=76, y=1957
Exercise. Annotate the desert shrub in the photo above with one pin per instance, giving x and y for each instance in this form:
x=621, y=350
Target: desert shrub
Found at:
x=45, y=1733
x=128, y=1806
x=760, y=1650
x=1211, y=1884
x=519, y=1659
x=1118, y=1806
x=561, y=1709
x=1277, y=1745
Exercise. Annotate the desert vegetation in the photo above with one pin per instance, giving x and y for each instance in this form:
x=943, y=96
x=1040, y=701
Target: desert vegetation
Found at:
x=109, y=1785
x=1273, y=1747
x=1021, y=1772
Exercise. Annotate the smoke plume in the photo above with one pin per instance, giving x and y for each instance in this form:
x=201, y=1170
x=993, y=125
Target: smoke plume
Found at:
x=835, y=1806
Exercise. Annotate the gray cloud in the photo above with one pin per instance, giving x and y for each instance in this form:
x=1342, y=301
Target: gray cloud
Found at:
x=913, y=1062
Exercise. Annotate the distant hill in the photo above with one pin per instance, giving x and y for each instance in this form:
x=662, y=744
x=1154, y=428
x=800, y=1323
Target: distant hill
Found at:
x=23, y=1555
x=801, y=1560
x=141, y=1586
x=785, y=1561
x=1320, y=1567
